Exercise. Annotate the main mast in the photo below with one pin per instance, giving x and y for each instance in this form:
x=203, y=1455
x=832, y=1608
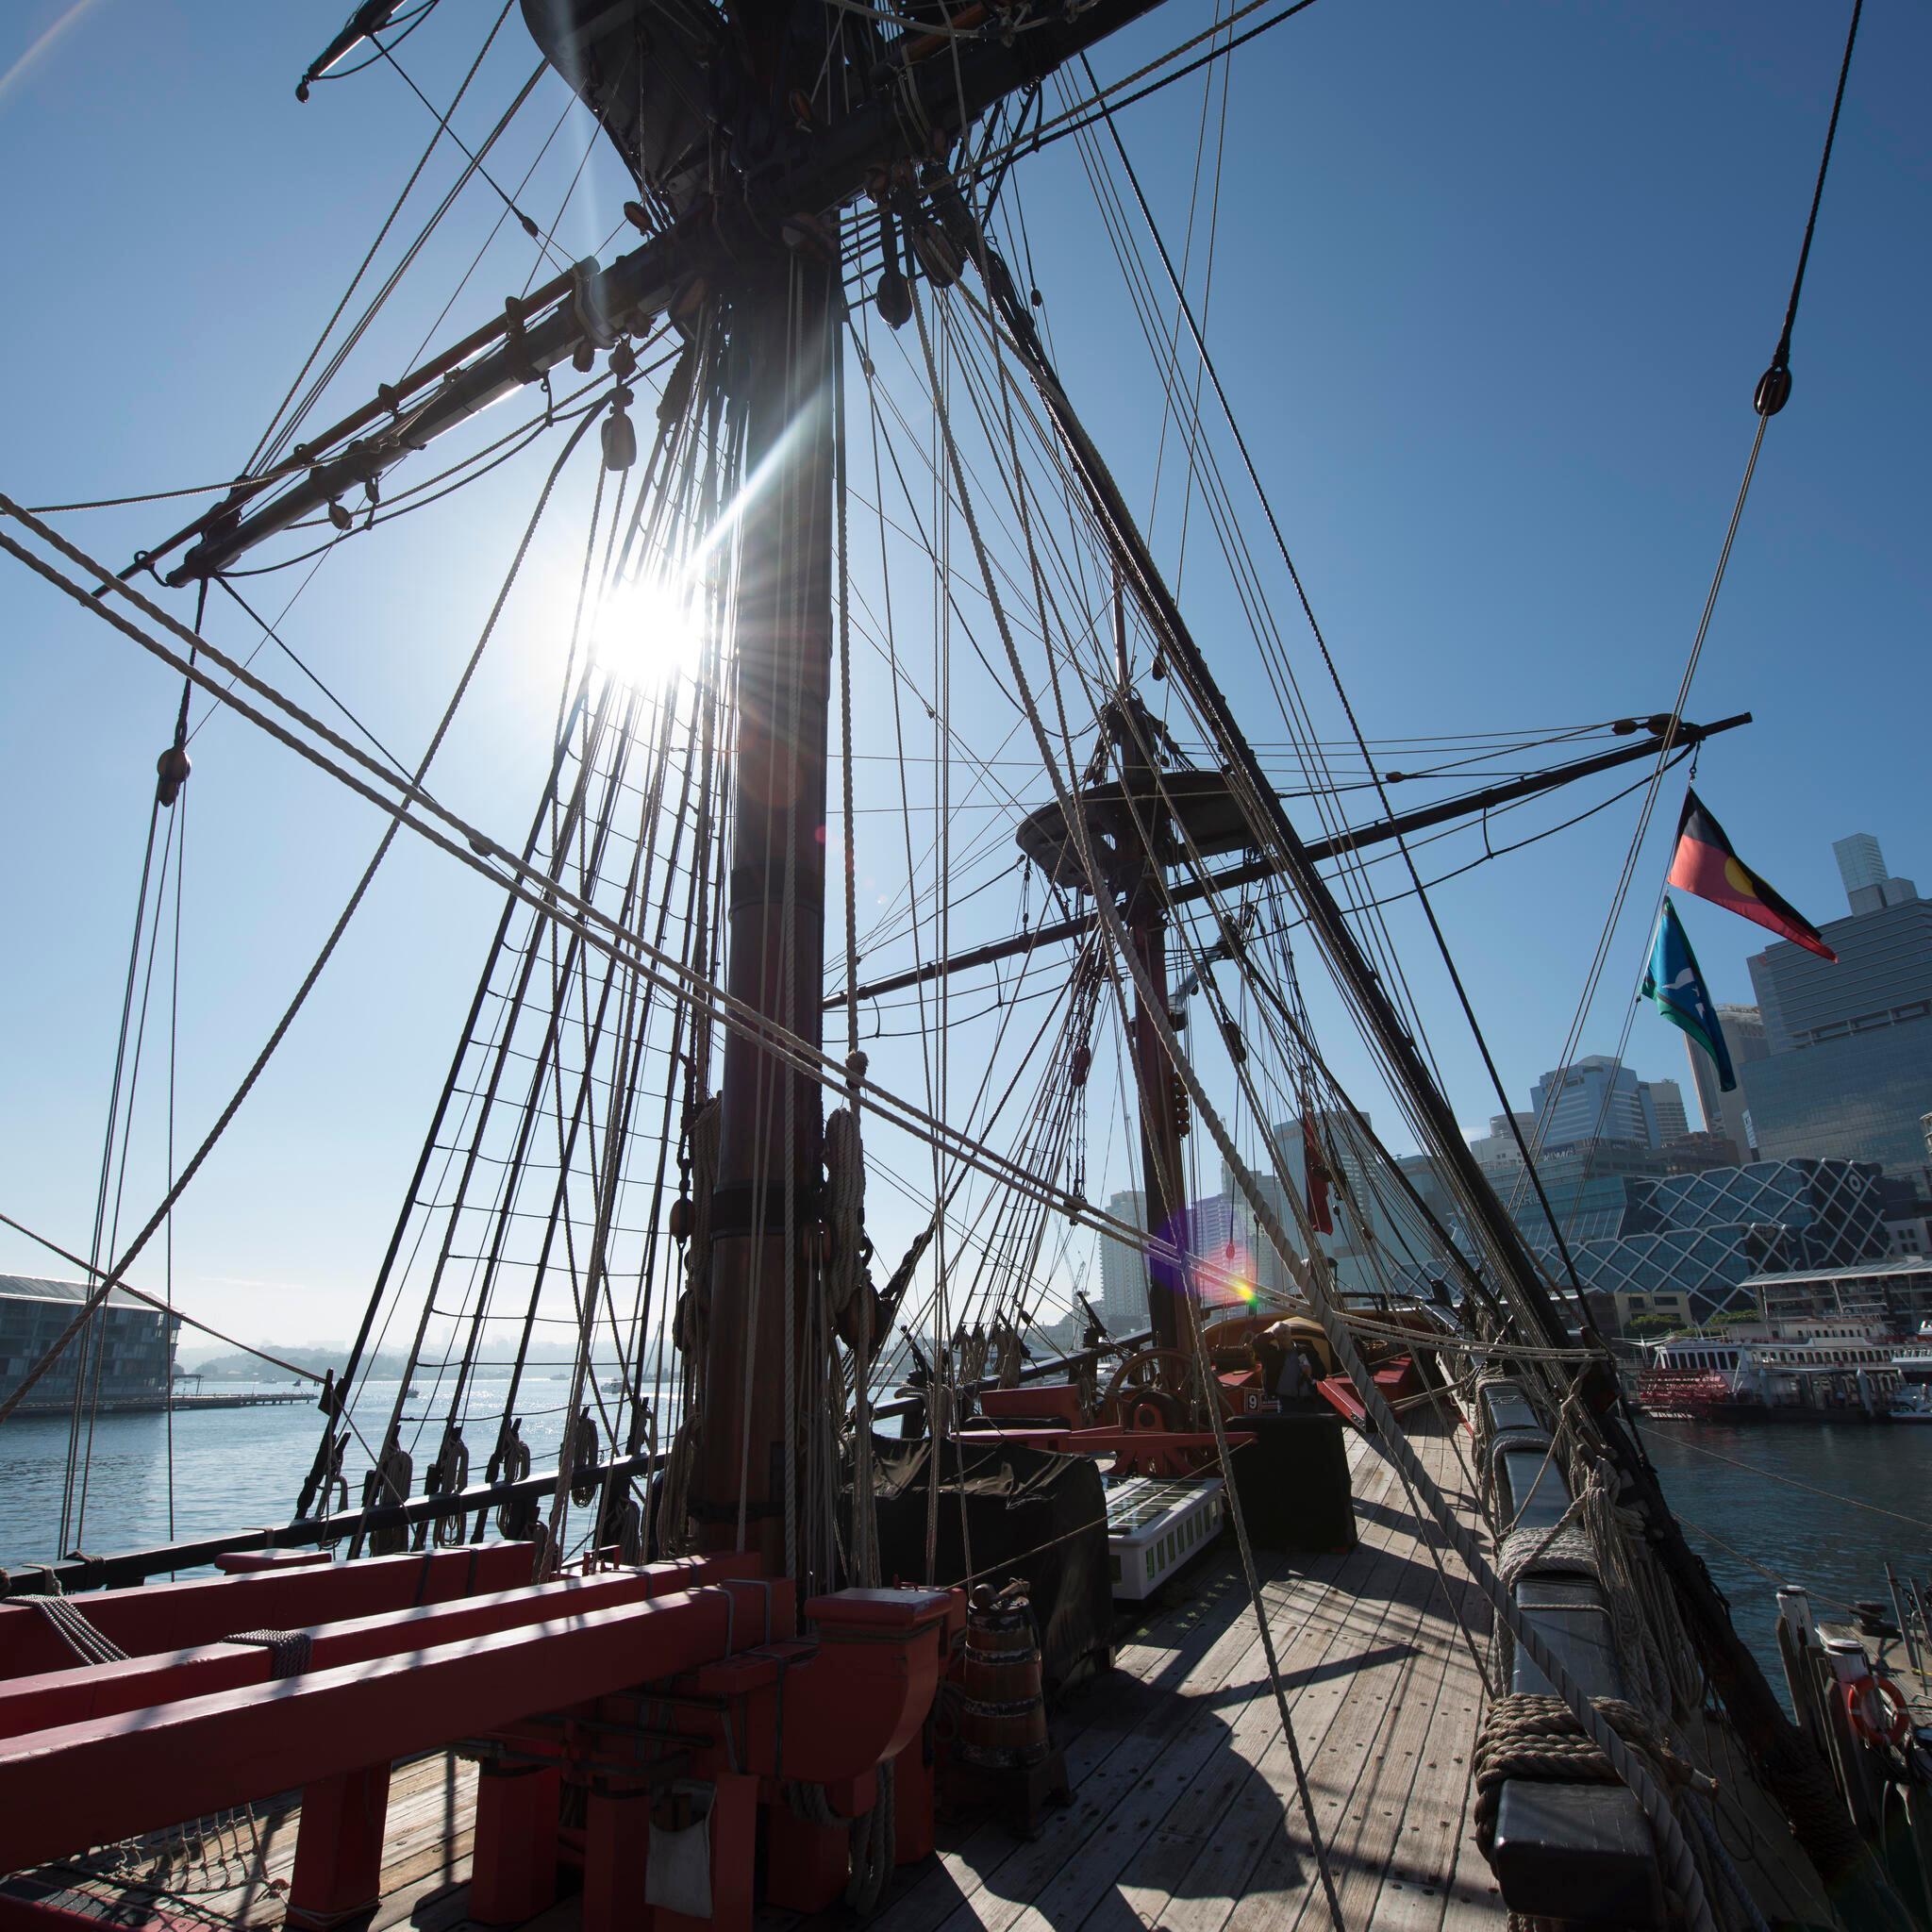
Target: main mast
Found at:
x=782, y=339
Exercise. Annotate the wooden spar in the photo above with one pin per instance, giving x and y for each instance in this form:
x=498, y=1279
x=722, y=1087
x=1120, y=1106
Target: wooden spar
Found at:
x=824, y=169
x=771, y=1129
x=129, y=1567
x=1252, y=871
x=1160, y=1133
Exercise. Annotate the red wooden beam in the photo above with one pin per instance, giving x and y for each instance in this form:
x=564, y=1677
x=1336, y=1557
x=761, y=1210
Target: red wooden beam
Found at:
x=98, y=1690
x=78, y=1785
x=178, y=1616
x=1338, y=1393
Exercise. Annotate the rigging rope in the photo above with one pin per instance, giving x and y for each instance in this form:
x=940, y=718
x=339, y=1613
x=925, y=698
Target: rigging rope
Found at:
x=97, y=1297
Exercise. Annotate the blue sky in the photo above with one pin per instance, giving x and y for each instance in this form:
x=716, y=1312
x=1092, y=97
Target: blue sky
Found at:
x=1494, y=285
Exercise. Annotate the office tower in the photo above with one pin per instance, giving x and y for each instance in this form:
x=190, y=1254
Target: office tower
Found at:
x=1667, y=1111
x=1860, y=861
x=1124, y=1268
x=1848, y=1070
x=1597, y=1098
x=1725, y=1113
x=1496, y=1152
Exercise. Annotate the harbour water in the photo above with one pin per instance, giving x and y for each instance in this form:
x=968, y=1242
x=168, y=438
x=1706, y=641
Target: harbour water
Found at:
x=1826, y=1507
x=232, y=1467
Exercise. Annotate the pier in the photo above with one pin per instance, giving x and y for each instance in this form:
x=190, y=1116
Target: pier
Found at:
x=160, y=1405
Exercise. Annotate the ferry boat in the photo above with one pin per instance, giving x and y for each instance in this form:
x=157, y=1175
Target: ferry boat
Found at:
x=1913, y=1362
x=1777, y=1371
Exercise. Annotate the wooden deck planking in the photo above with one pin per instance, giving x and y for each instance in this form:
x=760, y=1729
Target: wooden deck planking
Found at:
x=1110, y=1753
x=1239, y=1807
x=1430, y=1842
x=1195, y=1826
x=1363, y=1773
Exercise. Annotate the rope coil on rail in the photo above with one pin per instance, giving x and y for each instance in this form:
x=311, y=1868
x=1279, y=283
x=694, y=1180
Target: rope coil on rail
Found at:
x=1530, y=1735
x=289, y=1651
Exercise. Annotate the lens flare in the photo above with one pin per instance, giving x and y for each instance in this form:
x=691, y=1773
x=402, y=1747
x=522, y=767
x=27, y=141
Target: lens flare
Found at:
x=648, y=632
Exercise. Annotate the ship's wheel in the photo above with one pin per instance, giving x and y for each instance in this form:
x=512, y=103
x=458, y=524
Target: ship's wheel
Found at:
x=1154, y=1388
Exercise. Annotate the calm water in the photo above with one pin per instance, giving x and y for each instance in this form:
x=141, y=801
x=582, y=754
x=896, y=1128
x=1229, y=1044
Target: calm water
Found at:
x=1827, y=1535
x=234, y=1468
x=242, y=1466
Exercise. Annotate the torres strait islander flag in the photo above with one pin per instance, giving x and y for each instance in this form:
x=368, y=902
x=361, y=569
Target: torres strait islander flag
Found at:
x=1706, y=865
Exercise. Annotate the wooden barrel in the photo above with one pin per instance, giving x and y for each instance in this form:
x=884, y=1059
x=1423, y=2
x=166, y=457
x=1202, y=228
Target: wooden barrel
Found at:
x=1001, y=1715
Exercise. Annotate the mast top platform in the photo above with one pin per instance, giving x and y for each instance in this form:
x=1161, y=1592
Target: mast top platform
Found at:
x=1156, y=815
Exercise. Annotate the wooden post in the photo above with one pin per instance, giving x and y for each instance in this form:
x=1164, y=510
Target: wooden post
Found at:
x=514, y=1875
x=337, y=1870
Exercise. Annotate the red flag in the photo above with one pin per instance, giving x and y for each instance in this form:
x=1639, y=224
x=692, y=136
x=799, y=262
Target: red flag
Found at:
x=1706, y=864
x=1315, y=1171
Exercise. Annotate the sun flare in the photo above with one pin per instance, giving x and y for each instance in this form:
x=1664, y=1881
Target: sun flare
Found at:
x=649, y=632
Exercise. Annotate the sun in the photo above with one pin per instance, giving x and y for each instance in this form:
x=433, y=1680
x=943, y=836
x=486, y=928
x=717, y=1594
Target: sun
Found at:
x=648, y=632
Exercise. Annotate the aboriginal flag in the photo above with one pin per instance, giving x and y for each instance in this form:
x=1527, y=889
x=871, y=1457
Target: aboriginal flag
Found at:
x=1706, y=865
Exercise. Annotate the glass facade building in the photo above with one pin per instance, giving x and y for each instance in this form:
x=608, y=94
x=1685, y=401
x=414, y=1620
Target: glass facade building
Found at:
x=1849, y=1068
x=130, y=1356
x=1597, y=1098
x=1860, y=860
x=1706, y=1234
x=1723, y=1113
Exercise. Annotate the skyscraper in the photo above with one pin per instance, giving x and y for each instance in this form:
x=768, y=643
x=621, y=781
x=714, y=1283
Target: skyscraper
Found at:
x=1725, y=1113
x=1599, y=1098
x=1860, y=861
x=1849, y=1067
x=1667, y=1111
x=1124, y=1269
x=1496, y=1152
x=1379, y=1237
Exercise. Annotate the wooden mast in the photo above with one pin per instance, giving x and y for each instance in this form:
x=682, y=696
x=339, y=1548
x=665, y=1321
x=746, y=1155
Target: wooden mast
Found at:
x=766, y=1198
x=1160, y=1095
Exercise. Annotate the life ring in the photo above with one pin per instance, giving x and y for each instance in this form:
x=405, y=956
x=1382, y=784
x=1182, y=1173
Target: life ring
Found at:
x=1868, y=1701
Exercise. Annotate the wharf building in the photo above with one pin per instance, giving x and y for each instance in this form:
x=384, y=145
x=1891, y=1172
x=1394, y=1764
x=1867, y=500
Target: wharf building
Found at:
x=1894, y=1292
x=1847, y=1068
x=128, y=1362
